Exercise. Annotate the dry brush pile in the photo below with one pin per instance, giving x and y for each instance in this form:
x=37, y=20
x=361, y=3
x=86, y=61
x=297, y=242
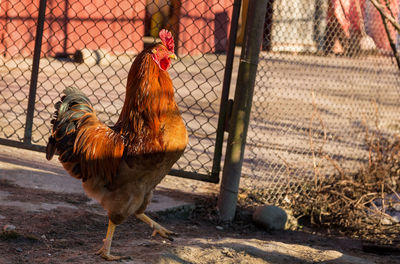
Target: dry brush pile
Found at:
x=358, y=204
x=363, y=204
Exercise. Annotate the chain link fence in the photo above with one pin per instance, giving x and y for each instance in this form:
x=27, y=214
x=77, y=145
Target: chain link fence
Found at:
x=92, y=44
x=326, y=75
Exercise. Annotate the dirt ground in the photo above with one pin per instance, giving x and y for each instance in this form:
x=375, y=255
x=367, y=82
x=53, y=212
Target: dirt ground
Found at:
x=57, y=225
x=72, y=235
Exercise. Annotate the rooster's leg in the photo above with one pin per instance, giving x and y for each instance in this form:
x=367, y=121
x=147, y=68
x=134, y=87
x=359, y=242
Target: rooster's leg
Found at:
x=104, y=252
x=157, y=228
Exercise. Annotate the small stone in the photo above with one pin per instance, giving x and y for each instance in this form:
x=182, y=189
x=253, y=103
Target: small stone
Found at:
x=228, y=252
x=43, y=236
x=386, y=221
x=219, y=227
x=270, y=217
x=394, y=197
x=19, y=249
x=396, y=217
x=90, y=56
x=378, y=202
x=8, y=228
x=291, y=223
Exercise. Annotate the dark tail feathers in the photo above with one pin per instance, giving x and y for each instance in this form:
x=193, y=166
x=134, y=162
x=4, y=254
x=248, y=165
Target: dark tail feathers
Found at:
x=73, y=105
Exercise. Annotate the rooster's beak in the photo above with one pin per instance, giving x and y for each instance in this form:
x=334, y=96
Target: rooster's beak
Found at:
x=172, y=56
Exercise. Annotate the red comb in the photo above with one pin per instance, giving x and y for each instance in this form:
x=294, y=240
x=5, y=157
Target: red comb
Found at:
x=167, y=39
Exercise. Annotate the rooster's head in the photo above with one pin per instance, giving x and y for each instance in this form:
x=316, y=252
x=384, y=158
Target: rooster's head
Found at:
x=164, y=52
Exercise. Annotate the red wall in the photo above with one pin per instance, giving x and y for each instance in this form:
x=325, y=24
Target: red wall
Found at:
x=17, y=26
x=112, y=25
x=71, y=25
x=204, y=26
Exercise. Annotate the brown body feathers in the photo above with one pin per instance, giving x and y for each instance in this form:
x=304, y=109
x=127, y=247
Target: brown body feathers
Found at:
x=121, y=165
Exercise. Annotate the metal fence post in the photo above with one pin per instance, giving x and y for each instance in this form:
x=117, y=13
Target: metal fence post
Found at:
x=35, y=72
x=225, y=92
x=241, y=109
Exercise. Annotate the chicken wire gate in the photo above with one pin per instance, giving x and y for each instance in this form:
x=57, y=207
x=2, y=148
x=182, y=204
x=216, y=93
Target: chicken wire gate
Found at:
x=326, y=77
x=50, y=45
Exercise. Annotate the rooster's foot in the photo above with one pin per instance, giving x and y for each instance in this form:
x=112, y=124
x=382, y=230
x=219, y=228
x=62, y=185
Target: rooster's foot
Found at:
x=162, y=231
x=107, y=256
x=157, y=228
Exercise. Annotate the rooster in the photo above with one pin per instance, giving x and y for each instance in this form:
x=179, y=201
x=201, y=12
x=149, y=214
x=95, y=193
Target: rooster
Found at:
x=120, y=166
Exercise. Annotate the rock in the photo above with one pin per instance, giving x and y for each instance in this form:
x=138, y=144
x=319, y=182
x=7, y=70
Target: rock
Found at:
x=391, y=208
x=87, y=56
x=8, y=228
x=91, y=57
x=393, y=197
x=367, y=43
x=396, y=216
x=270, y=217
x=386, y=221
x=378, y=202
x=291, y=223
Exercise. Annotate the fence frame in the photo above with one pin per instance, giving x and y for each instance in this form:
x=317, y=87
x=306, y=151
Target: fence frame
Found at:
x=35, y=72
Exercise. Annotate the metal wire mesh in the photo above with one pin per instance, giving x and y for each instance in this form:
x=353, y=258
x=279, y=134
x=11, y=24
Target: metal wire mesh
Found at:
x=326, y=75
x=15, y=73
x=91, y=45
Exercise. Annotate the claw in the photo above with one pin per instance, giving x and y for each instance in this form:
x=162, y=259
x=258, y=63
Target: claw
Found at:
x=107, y=256
x=157, y=228
x=165, y=233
